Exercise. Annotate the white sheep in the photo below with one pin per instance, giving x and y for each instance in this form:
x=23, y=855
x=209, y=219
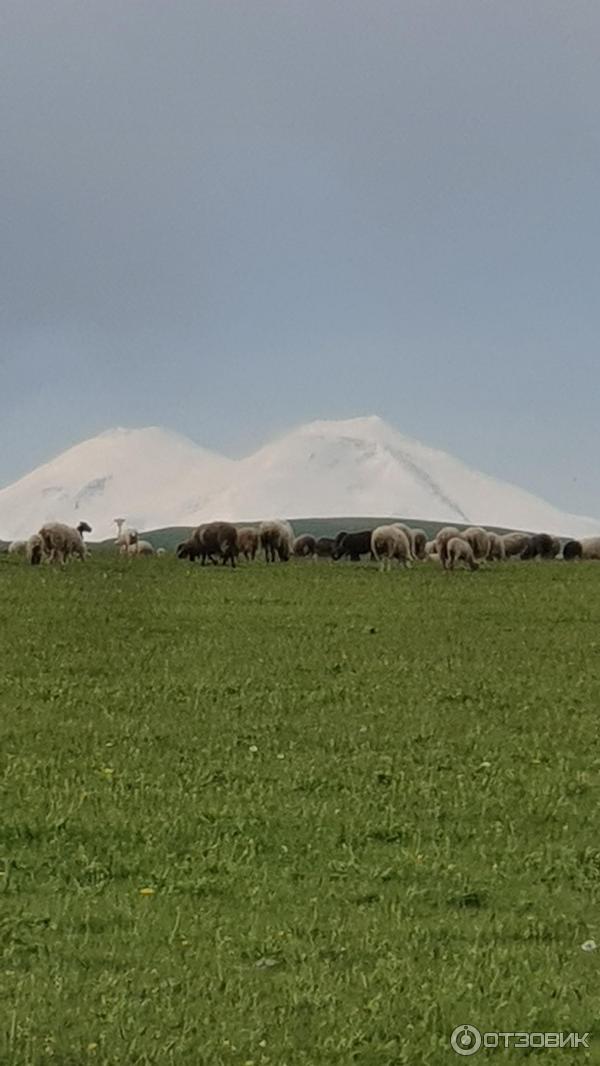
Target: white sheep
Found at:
x=61, y=542
x=17, y=547
x=515, y=543
x=496, y=551
x=388, y=543
x=125, y=536
x=140, y=547
x=460, y=551
x=479, y=539
x=277, y=540
x=442, y=539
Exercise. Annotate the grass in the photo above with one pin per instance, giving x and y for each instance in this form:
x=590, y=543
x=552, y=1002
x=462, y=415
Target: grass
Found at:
x=306, y=815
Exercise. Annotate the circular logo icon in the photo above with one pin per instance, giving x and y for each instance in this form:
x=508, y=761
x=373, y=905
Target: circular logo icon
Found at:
x=465, y=1040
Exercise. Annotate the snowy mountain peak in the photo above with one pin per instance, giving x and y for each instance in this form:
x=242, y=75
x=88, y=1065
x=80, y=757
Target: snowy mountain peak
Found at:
x=353, y=467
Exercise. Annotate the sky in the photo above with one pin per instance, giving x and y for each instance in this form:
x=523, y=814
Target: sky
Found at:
x=229, y=218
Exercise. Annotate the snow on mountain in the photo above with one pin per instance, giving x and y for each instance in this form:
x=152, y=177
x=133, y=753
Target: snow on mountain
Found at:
x=147, y=476
x=359, y=466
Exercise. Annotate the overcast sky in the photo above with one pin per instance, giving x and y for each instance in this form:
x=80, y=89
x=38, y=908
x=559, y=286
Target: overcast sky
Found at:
x=232, y=217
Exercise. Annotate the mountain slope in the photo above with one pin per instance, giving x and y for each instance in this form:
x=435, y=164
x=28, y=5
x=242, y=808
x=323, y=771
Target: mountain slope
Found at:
x=155, y=478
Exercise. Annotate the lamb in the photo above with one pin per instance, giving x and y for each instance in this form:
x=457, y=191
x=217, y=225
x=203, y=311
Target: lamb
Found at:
x=161, y=551
x=496, y=551
x=514, y=544
x=277, y=540
x=431, y=550
x=479, y=539
x=34, y=550
x=61, y=542
x=141, y=547
x=305, y=546
x=209, y=540
x=588, y=548
x=460, y=550
x=248, y=542
x=17, y=547
x=125, y=536
x=389, y=542
x=445, y=535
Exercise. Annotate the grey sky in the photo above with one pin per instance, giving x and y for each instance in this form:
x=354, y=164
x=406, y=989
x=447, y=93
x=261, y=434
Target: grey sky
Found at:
x=231, y=217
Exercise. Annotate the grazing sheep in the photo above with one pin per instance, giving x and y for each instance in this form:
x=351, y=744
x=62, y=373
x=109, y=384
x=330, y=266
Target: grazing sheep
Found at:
x=418, y=543
x=588, y=548
x=209, y=540
x=353, y=545
x=277, y=540
x=248, y=542
x=141, y=547
x=541, y=546
x=496, y=551
x=389, y=542
x=34, y=550
x=17, y=547
x=431, y=550
x=161, y=551
x=441, y=542
x=514, y=544
x=458, y=551
x=324, y=547
x=479, y=539
x=125, y=536
x=61, y=542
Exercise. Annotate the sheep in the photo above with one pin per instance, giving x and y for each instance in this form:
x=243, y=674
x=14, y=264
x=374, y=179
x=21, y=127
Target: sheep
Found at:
x=248, y=542
x=17, y=547
x=161, y=551
x=431, y=550
x=277, y=540
x=34, y=550
x=60, y=542
x=389, y=542
x=541, y=546
x=479, y=539
x=141, y=547
x=588, y=548
x=459, y=550
x=305, y=546
x=353, y=544
x=444, y=535
x=418, y=543
x=496, y=551
x=125, y=536
x=514, y=544
x=325, y=547
x=209, y=540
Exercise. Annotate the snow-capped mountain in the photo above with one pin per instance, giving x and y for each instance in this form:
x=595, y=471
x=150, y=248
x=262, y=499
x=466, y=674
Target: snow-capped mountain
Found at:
x=359, y=466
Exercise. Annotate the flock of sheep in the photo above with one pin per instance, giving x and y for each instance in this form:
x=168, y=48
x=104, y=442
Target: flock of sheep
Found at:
x=386, y=544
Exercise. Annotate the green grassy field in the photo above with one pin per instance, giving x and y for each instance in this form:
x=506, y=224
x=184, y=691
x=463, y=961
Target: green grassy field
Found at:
x=306, y=815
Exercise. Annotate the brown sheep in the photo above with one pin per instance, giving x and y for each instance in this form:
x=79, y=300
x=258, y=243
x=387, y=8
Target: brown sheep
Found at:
x=212, y=540
x=248, y=543
x=305, y=546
